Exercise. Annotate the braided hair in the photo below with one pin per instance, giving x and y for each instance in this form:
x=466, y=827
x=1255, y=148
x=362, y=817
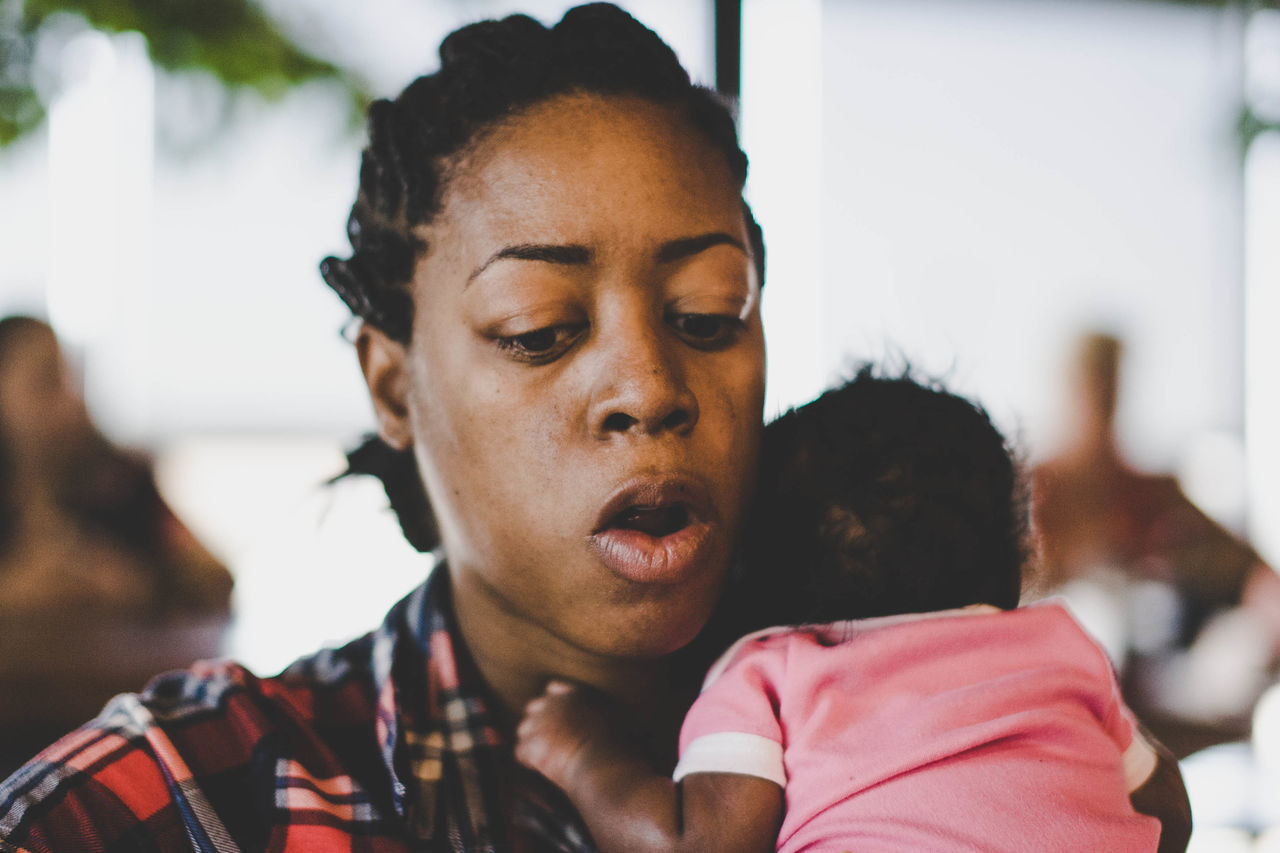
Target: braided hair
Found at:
x=886, y=496
x=489, y=72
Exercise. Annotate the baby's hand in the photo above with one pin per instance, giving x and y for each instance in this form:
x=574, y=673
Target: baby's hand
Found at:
x=563, y=730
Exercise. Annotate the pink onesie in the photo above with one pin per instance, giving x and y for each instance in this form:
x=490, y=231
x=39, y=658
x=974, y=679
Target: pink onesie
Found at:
x=973, y=729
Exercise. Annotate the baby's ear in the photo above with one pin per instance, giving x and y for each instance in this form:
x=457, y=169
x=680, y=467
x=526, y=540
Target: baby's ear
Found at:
x=383, y=361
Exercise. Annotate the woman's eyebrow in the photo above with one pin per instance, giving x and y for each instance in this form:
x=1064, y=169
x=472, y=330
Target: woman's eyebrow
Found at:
x=685, y=247
x=575, y=255
x=550, y=253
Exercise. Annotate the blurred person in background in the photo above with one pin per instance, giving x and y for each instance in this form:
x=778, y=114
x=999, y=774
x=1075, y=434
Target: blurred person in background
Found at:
x=82, y=525
x=1188, y=610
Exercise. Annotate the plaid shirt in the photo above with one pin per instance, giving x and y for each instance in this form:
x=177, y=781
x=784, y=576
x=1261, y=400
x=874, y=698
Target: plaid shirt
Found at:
x=386, y=744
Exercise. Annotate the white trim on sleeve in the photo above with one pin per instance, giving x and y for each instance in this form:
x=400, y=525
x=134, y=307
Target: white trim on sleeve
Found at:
x=733, y=752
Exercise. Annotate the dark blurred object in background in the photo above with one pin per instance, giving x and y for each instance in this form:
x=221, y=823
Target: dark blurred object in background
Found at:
x=101, y=585
x=1188, y=610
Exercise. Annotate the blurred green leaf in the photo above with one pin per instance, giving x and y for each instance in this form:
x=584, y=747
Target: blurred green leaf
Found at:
x=234, y=40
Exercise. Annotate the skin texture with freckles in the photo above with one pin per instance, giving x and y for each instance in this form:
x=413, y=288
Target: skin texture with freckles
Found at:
x=587, y=319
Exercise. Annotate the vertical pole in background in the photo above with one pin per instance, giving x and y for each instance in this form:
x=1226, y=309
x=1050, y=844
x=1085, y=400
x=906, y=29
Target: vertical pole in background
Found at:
x=1262, y=278
x=99, y=258
x=728, y=28
x=781, y=128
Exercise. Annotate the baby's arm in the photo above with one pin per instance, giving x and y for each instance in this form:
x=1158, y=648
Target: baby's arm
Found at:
x=566, y=736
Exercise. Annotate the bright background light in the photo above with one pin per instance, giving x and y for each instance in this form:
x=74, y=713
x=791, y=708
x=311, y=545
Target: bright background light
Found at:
x=1262, y=283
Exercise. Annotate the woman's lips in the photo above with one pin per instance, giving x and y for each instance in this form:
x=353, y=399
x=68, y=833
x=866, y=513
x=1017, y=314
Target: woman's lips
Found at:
x=654, y=557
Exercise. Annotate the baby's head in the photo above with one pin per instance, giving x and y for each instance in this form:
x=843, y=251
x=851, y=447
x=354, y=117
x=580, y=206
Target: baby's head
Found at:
x=886, y=496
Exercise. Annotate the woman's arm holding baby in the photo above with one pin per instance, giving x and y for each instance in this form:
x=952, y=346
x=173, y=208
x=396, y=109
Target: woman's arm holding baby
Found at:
x=1164, y=797
x=628, y=806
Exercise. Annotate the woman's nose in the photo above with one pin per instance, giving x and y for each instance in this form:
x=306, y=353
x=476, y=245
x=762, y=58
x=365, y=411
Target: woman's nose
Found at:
x=642, y=389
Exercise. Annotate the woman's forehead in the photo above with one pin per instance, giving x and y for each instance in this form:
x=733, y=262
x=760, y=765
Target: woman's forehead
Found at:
x=582, y=166
x=578, y=117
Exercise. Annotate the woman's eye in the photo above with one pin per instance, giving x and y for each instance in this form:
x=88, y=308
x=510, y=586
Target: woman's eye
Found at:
x=540, y=345
x=707, y=331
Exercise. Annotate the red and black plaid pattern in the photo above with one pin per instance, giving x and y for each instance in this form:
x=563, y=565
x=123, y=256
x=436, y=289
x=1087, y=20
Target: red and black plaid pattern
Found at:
x=383, y=745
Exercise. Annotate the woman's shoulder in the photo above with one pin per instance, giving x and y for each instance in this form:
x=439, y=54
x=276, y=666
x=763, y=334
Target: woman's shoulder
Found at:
x=332, y=686
x=214, y=738
x=120, y=775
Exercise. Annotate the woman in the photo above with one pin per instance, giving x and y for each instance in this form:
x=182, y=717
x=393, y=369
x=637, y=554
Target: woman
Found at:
x=559, y=286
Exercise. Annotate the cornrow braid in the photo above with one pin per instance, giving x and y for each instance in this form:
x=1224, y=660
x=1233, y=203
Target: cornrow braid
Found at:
x=489, y=72
x=398, y=472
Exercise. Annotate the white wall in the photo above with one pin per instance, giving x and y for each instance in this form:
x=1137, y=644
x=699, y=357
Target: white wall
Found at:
x=998, y=174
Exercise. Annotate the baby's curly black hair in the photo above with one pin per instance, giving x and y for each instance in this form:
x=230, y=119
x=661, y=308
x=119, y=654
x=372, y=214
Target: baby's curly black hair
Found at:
x=885, y=495
x=489, y=72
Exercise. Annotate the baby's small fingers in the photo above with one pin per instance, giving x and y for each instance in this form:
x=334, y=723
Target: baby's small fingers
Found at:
x=526, y=753
x=556, y=687
x=526, y=728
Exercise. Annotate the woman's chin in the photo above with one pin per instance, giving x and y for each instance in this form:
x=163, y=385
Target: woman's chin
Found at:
x=652, y=628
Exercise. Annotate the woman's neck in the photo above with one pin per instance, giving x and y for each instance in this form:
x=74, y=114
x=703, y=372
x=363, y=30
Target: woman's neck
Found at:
x=516, y=658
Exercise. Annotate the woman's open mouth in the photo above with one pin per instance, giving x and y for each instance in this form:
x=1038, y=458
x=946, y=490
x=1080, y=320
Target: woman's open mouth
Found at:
x=657, y=521
x=654, y=531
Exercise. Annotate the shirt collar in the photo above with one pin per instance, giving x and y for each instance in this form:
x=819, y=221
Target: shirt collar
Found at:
x=433, y=717
x=440, y=743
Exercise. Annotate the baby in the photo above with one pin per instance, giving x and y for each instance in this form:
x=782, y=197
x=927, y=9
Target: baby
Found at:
x=910, y=705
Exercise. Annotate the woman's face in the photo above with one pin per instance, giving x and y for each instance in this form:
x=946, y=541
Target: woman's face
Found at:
x=585, y=380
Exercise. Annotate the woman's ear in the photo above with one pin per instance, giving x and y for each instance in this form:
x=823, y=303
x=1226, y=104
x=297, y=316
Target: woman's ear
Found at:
x=384, y=364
